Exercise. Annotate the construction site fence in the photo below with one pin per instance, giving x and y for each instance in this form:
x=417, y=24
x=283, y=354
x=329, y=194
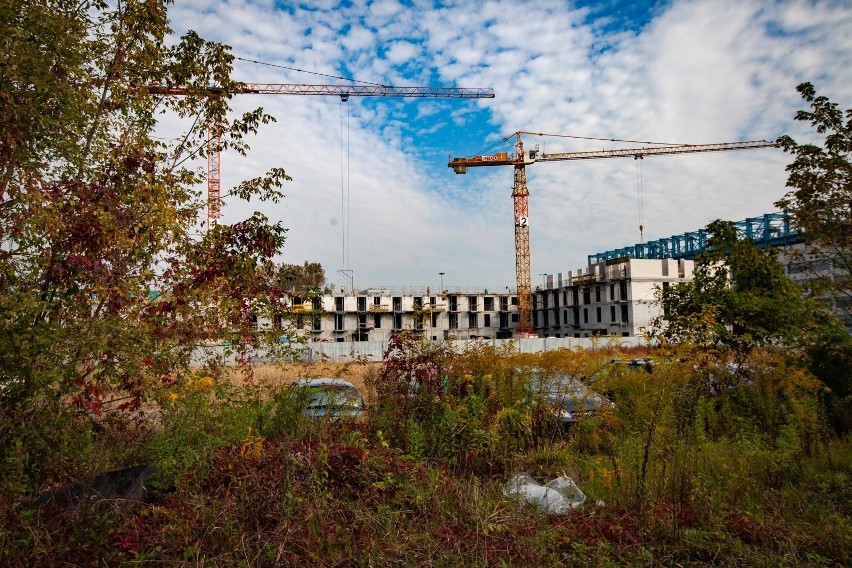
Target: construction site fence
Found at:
x=373, y=351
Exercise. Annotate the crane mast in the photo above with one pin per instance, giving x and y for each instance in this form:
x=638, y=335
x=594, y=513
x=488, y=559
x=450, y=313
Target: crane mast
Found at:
x=343, y=91
x=520, y=194
x=520, y=198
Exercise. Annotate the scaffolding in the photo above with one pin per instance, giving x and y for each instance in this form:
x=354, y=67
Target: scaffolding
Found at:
x=769, y=230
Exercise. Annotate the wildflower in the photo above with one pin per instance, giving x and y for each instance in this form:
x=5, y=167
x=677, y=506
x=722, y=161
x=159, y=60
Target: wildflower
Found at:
x=381, y=439
x=203, y=384
x=173, y=396
x=252, y=447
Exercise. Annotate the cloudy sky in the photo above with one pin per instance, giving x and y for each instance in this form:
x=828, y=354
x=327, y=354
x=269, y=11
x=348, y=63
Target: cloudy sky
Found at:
x=371, y=190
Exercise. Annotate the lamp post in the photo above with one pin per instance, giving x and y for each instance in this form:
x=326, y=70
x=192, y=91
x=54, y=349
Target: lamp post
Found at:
x=441, y=293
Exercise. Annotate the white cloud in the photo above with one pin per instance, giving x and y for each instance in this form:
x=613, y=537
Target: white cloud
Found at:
x=358, y=38
x=696, y=72
x=401, y=51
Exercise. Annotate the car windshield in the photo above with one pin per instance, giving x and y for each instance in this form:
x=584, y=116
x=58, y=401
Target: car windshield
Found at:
x=557, y=384
x=330, y=396
x=565, y=390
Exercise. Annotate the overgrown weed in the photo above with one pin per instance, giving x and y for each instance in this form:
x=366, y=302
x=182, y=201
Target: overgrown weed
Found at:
x=695, y=462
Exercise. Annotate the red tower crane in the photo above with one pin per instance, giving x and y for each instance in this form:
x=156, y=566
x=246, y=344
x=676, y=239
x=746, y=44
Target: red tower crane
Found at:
x=343, y=91
x=520, y=194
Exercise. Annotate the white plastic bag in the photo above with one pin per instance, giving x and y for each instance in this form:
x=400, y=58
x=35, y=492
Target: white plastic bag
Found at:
x=557, y=497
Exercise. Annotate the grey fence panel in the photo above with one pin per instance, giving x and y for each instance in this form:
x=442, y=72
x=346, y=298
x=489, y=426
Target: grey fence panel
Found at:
x=348, y=351
x=371, y=351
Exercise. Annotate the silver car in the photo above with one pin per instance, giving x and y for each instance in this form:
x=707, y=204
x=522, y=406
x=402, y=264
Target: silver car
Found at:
x=570, y=397
x=328, y=397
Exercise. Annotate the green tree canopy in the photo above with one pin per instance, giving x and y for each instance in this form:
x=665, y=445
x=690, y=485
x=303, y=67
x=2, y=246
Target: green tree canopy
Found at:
x=821, y=197
x=107, y=281
x=309, y=276
x=739, y=298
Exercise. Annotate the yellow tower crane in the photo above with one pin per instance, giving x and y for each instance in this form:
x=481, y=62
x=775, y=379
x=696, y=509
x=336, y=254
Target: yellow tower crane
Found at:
x=520, y=193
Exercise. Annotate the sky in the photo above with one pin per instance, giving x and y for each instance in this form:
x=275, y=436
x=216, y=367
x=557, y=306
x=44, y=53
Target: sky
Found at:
x=371, y=191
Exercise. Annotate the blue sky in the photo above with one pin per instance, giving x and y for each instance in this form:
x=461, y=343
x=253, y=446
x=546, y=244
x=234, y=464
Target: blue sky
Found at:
x=371, y=190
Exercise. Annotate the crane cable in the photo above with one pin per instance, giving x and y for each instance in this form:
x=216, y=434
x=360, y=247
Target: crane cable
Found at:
x=348, y=198
x=639, y=190
x=308, y=72
x=345, y=207
x=573, y=137
x=600, y=139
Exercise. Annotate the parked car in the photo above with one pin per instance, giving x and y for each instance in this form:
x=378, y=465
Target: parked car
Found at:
x=571, y=399
x=642, y=363
x=328, y=397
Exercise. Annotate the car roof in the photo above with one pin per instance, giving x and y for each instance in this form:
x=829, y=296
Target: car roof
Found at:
x=323, y=382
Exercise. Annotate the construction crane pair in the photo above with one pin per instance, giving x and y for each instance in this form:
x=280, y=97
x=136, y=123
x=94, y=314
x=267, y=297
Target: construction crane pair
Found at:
x=519, y=160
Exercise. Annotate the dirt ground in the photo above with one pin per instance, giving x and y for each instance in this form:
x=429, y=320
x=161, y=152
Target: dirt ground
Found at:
x=269, y=375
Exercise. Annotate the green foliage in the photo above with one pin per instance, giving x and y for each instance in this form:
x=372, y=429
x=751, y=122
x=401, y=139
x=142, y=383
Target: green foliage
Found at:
x=693, y=467
x=107, y=287
x=820, y=178
x=470, y=409
x=198, y=416
x=308, y=277
x=738, y=299
x=819, y=201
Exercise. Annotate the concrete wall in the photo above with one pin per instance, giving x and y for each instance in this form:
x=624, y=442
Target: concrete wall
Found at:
x=374, y=350
x=627, y=284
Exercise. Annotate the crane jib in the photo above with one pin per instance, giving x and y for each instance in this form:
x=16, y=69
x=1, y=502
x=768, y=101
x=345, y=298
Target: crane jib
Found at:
x=347, y=90
x=369, y=91
x=460, y=165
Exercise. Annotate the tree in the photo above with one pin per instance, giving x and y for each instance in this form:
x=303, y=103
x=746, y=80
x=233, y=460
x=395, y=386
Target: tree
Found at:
x=295, y=278
x=738, y=299
x=106, y=283
x=821, y=199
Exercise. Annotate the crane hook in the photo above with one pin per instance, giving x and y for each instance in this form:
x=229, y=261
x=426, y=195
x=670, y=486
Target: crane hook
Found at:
x=344, y=97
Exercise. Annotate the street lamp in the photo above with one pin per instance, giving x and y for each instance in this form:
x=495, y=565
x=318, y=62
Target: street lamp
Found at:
x=441, y=274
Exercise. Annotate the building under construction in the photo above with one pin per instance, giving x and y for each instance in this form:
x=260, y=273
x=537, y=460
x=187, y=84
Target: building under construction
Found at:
x=376, y=314
x=615, y=295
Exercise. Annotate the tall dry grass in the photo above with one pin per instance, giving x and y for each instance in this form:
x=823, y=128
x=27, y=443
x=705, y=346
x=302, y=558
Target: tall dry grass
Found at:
x=271, y=376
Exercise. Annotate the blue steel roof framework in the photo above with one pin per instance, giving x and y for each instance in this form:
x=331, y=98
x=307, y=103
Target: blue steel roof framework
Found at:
x=769, y=230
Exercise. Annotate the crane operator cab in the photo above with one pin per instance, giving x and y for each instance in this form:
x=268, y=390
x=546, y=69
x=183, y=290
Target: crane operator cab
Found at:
x=460, y=165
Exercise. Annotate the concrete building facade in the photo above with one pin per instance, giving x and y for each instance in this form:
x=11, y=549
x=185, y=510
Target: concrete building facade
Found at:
x=803, y=269
x=375, y=314
x=613, y=297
